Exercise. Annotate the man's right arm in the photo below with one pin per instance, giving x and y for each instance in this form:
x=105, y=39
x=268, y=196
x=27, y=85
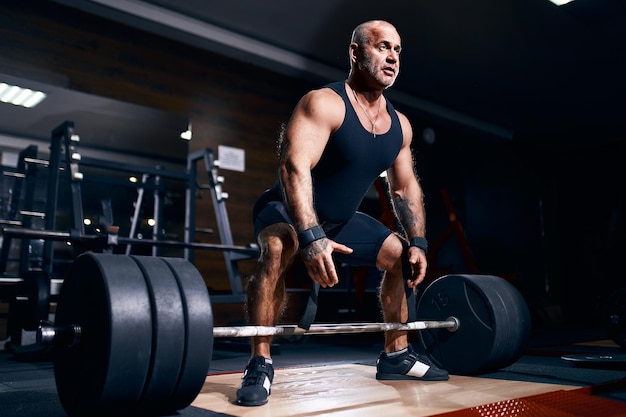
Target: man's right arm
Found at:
x=317, y=115
x=305, y=138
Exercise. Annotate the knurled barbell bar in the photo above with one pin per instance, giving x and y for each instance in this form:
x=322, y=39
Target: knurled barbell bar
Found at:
x=134, y=334
x=48, y=334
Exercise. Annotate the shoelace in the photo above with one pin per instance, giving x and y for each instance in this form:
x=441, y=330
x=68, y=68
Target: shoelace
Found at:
x=255, y=376
x=412, y=357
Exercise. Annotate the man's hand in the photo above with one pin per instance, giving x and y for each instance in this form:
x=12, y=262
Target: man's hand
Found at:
x=417, y=259
x=319, y=262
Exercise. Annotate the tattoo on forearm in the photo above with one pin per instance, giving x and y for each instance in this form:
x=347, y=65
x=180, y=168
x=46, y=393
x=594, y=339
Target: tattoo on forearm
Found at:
x=406, y=216
x=311, y=251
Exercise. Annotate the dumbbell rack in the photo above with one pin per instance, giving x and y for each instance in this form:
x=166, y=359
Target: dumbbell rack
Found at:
x=31, y=283
x=30, y=297
x=24, y=178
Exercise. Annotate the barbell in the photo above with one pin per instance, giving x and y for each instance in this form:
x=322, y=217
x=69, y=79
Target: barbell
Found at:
x=134, y=334
x=109, y=238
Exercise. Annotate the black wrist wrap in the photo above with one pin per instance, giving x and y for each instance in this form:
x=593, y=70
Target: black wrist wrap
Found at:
x=419, y=242
x=308, y=236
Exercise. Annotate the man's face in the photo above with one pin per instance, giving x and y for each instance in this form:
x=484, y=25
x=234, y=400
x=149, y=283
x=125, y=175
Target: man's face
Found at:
x=381, y=56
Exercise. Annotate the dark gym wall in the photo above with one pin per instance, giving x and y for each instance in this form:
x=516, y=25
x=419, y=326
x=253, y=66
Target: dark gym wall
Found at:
x=537, y=214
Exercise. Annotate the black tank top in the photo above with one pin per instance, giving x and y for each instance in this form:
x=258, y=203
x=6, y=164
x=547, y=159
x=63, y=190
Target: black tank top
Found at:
x=352, y=160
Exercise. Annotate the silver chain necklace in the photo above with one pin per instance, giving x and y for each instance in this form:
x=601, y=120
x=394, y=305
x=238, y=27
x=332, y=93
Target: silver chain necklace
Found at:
x=365, y=111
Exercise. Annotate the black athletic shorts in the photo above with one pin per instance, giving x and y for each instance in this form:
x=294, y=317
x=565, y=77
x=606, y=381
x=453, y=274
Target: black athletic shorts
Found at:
x=364, y=234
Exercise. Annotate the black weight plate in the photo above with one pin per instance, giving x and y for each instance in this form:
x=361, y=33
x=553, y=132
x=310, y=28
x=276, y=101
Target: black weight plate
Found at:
x=198, y=332
x=105, y=372
x=614, y=313
x=518, y=318
x=494, y=323
x=168, y=334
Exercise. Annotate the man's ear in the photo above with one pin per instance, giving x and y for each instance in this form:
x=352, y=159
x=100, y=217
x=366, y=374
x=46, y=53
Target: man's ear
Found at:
x=354, y=50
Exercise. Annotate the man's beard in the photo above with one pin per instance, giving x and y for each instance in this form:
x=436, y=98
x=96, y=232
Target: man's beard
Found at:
x=369, y=67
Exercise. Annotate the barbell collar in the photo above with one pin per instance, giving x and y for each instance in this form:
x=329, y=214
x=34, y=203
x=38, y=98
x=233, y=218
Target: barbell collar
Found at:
x=68, y=336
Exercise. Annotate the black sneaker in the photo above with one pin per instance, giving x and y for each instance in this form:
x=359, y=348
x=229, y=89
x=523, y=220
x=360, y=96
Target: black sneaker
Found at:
x=408, y=365
x=257, y=381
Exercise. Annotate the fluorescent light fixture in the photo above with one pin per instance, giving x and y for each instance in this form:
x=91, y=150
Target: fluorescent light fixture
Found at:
x=561, y=2
x=19, y=96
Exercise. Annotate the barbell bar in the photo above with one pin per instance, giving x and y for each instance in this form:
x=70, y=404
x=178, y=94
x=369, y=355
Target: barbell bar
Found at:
x=48, y=334
x=108, y=239
x=452, y=324
x=134, y=334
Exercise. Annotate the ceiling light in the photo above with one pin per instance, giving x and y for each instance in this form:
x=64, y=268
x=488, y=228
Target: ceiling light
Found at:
x=19, y=96
x=560, y=2
x=186, y=135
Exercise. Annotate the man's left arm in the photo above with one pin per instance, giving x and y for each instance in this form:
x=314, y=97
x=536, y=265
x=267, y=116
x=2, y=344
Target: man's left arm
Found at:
x=407, y=199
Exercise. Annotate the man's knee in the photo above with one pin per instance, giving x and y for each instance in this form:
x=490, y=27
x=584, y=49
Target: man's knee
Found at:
x=390, y=257
x=277, y=243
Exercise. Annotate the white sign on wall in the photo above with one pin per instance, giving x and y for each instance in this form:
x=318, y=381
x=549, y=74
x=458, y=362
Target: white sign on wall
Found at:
x=231, y=158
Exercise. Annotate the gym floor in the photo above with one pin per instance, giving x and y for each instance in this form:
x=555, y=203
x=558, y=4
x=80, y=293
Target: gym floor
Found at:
x=27, y=386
